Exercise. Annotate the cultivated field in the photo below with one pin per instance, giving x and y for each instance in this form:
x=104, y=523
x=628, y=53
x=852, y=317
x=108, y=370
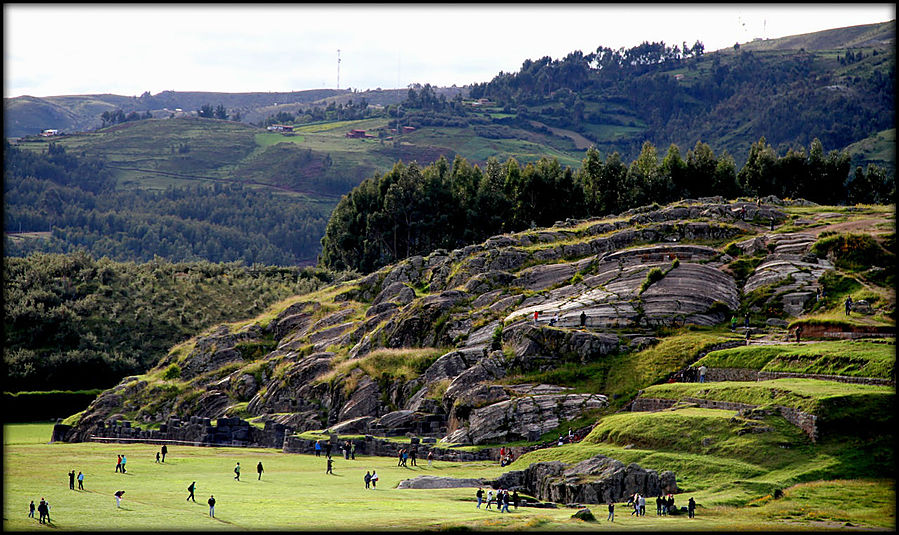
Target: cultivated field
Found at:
x=296, y=494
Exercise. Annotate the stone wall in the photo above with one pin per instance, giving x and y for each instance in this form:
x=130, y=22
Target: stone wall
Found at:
x=745, y=374
x=196, y=431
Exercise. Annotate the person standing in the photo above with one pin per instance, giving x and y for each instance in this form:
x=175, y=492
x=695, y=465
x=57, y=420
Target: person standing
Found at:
x=72, y=479
x=164, y=451
x=353, y=450
x=367, y=479
x=157, y=456
x=515, y=499
x=31, y=510
x=848, y=305
x=583, y=319
x=611, y=517
x=118, y=497
x=642, y=505
x=259, y=470
x=318, y=448
x=412, y=456
x=237, y=472
x=374, y=479
x=80, y=481
x=798, y=334
x=191, y=489
x=659, y=505
x=330, y=464
x=430, y=458
x=328, y=449
x=479, y=495
x=346, y=450
x=124, y=460
x=211, y=502
x=42, y=510
x=702, y=370
x=536, y=315
x=691, y=507
x=670, y=504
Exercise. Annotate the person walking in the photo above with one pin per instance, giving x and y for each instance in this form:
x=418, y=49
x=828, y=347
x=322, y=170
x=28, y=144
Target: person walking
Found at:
x=124, y=460
x=259, y=470
x=702, y=370
x=164, y=451
x=691, y=507
x=479, y=495
x=328, y=449
x=191, y=489
x=72, y=479
x=31, y=510
x=536, y=315
x=367, y=479
x=118, y=464
x=374, y=479
x=642, y=505
x=412, y=457
x=318, y=448
x=635, y=503
x=80, y=481
x=330, y=464
x=489, y=499
x=848, y=305
x=211, y=502
x=118, y=497
x=506, y=499
x=237, y=472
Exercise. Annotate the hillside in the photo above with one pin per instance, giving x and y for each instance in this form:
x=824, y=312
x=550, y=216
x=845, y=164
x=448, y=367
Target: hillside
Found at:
x=452, y=337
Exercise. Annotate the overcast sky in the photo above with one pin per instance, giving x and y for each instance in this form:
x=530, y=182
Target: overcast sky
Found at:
x=68, y=49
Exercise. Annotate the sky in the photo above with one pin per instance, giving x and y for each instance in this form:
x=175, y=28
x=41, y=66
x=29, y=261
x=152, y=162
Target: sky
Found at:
x=126, y=49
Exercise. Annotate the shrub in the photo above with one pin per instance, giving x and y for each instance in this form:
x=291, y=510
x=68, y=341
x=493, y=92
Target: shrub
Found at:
x=172, y=372
x=655, y=274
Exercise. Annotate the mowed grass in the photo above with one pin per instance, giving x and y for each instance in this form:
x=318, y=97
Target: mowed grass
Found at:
x=296, y=494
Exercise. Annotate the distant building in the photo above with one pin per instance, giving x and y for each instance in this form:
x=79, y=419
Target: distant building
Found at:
x=407, y=129
x=358, y=134
x=678, y=77
x=280, y=128
x=50, y=132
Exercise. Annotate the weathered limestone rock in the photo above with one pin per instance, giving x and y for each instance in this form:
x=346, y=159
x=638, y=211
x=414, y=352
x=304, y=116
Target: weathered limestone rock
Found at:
x=513, y=419
x=435, y=482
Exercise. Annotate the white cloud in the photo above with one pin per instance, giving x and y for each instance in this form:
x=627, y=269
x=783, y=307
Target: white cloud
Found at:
x=56, y=49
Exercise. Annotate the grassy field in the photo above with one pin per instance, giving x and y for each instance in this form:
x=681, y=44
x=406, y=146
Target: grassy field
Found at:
x=295, y=493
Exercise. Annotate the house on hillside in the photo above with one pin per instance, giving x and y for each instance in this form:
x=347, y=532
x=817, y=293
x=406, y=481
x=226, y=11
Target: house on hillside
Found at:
x=49, y=132
x=358, y=133
x=407, y=129
x=280, y=128
x=678, y=77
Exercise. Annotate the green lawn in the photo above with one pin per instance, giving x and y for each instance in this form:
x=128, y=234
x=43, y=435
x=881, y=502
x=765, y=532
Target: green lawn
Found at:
x=296, y=494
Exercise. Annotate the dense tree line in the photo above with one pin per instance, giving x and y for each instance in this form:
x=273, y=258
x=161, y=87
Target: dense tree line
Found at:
x=73, y=322
x=119, y=116
x=74, y=199
x=415, y=210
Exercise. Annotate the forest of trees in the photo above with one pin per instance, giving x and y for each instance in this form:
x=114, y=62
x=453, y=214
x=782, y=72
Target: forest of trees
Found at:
x=414, y=210
x=73, y=322
x=75, y=199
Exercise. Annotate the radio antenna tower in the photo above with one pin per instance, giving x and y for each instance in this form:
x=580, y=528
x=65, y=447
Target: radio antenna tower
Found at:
x=338, y=68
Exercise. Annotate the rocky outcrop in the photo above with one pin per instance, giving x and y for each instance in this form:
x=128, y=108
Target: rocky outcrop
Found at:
x=435, y=482
x=599, y=479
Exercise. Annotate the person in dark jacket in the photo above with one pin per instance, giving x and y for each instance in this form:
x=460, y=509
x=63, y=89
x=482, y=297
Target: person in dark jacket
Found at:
x=191, y=489
x=72, y=479
x=367, y=479
x=259, y=469
x=691, y=507
x=211, y=502
x=164, y=451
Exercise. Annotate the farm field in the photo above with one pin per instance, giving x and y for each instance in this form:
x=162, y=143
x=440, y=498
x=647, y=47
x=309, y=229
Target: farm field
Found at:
x=296, y=494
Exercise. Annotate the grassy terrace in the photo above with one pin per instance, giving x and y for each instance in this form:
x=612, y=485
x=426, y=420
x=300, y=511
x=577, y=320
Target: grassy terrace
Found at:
x=853, y=358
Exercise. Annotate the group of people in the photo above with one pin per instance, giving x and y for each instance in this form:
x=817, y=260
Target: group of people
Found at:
x=664, y=504
x=162, y=451
x=502, y=498
x=43, y=509
x=120, y=464
x=505, y=456
x=371, y=479
x=349, y=450
x=405, y=455
x=72, y=480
